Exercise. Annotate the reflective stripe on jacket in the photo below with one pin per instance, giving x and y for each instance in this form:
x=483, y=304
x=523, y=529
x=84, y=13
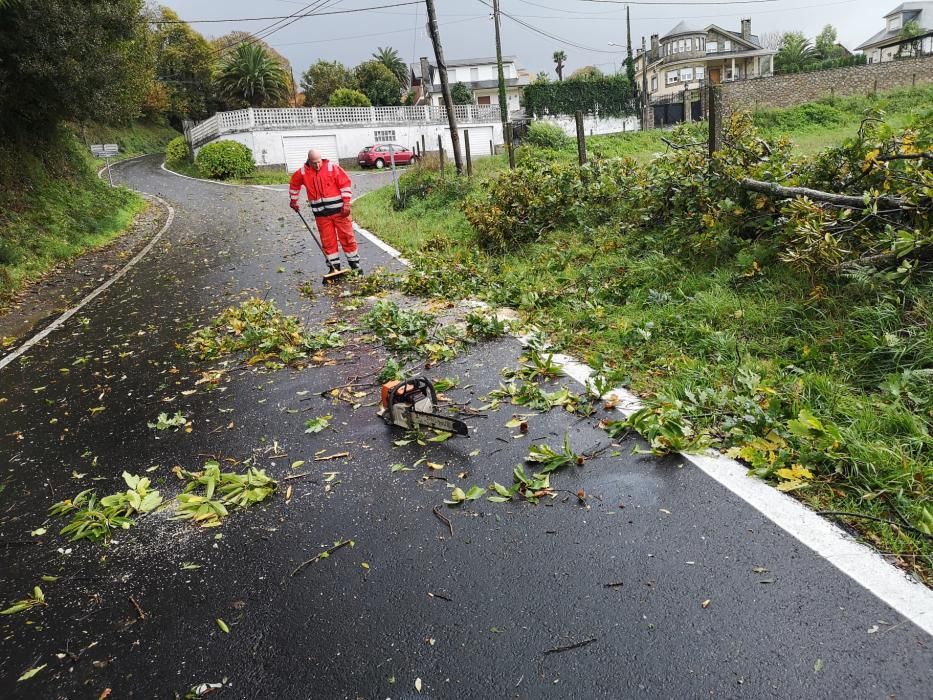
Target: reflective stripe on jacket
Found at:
x=328, y=188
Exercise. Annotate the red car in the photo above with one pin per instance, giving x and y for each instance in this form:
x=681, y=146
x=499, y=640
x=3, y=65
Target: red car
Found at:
x=380, y=156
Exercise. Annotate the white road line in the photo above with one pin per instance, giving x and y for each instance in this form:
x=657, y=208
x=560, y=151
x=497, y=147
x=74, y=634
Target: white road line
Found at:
x=218, y=182
x=859, y=562
x=57, y=323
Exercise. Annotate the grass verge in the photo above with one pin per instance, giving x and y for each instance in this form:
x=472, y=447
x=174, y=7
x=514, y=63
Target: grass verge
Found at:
x=723, y=341
x=53, y=207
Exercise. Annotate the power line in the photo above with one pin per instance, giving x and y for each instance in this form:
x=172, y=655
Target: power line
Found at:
x=281, y=17
x=553, y=37
x=681, y=2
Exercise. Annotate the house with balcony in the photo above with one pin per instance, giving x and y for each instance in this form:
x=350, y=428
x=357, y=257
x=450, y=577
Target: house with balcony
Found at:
x=890, y=43
x=687, y=57
x=480, y=75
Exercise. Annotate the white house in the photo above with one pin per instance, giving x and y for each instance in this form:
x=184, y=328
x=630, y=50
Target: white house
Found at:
x=480, y=75
x=889, y=43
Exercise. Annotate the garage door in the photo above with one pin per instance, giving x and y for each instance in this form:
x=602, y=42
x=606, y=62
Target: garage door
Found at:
x=297, y=147
x=479, y=141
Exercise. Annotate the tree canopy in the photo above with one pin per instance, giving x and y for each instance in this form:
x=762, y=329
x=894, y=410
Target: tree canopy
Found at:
x=560, y=59
x=66, y=60
x=251, y=75
x=461, y=94
x=378, y=83
x=389, y=57
x=322, y=79
x=183, y=66
x=795, y=52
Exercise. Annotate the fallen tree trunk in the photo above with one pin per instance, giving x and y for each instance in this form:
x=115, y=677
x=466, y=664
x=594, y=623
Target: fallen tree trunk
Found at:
x=844, y=200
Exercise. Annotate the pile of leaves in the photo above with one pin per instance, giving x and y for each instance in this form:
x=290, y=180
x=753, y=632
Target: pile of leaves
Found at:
x=219, y=491
x=411, y=334
x=538, y=485
x=96, y=519
x=258, y=328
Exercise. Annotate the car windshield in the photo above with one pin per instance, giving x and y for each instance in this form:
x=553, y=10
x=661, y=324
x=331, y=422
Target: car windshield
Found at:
x=368, y=148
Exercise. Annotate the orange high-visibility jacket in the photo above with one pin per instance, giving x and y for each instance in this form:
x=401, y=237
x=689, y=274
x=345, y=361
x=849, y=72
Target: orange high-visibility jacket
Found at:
x=328, y=188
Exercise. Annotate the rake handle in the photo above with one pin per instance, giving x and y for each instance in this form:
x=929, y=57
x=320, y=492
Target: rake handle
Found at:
x=313, y=237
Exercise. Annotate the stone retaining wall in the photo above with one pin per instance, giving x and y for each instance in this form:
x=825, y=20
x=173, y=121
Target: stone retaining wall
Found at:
x=798, y=88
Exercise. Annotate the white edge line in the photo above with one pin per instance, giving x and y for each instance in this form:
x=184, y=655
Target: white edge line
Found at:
x=218, y=182
x=858, y=561
x=58, y=322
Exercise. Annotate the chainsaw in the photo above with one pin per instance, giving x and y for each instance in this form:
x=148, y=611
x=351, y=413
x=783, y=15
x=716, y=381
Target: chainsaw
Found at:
x=413, y=404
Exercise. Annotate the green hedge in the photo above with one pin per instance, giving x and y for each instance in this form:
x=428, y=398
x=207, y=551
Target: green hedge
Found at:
x=177, y=151
x=611, y=96
x=223, y=160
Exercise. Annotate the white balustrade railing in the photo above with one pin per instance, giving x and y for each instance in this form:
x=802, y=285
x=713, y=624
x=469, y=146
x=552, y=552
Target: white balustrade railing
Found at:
x=310, y=117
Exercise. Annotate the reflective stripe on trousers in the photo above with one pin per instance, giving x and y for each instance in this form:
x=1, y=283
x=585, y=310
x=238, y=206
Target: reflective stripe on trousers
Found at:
x=334, y=229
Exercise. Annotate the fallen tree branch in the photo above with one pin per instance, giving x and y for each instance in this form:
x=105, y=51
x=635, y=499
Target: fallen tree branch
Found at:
x=845, y=200
x=682, y=146
x=885, y=259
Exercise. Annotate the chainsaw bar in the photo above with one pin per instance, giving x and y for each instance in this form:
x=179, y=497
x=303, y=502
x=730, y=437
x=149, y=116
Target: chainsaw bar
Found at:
x=432, y=420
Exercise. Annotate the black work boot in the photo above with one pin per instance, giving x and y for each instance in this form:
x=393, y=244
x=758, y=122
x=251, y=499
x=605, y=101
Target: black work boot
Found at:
x=334, y=267
x=355, y=266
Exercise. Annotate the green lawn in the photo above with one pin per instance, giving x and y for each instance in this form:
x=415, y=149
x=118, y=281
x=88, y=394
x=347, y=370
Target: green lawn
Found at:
x=713, y=335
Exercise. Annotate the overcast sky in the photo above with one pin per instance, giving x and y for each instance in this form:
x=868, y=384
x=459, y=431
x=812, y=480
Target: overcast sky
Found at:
x=582, y=28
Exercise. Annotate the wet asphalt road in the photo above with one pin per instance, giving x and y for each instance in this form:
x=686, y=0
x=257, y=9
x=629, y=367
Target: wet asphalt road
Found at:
x=513, y=581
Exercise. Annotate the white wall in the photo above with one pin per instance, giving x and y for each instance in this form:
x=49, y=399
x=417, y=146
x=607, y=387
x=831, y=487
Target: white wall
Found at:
x=463, y=74
x=595, y=126
x=268, y=149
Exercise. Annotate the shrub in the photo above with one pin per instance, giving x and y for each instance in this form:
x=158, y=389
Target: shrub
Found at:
x=345, y=97
x=225, y=159
x=546, y=135
x=421, y=184
x=177, y=151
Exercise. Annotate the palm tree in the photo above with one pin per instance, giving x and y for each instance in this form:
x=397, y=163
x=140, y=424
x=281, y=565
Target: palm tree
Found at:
x=251, y=74
x=795, y=52
x=389, y=57
x=560, y=58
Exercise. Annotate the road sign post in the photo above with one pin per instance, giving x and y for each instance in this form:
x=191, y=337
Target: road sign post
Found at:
x=106, y=151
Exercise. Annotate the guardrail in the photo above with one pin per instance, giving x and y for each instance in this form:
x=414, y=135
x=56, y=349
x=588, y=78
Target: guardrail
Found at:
x=313, y=117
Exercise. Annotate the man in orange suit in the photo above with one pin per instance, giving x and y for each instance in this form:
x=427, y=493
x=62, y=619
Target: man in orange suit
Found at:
x=329, y=192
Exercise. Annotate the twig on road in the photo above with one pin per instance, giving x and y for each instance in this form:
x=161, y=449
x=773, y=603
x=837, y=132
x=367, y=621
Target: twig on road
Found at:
x=557, y=650
x=139, y=610
x=444, y=520
x=321, y=555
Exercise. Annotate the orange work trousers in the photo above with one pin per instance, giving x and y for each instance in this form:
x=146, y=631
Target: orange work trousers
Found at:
x=332, y=229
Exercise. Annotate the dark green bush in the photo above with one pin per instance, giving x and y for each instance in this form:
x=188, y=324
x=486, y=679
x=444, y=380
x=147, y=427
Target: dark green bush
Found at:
x=546, y=135
x=223, y=160
x=422, y=184
x=177, y=151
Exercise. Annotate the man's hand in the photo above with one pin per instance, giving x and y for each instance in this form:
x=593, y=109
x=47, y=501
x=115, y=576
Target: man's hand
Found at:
x=346, y=209
x=294, y=205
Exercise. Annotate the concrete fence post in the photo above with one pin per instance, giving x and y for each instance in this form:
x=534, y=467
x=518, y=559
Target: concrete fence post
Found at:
x=252, y=118
x=440, y=150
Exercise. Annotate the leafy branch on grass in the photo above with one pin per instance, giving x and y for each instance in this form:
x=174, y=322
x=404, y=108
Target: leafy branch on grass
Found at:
x=36, y=599
x=96, y=519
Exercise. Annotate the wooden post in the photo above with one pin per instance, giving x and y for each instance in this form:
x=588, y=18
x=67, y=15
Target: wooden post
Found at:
x=445, y=85
x=508, y=145
x=581, y=137
x=913, y=80
x=440, y=150
x=466, y=149
x=423, y=145
x=492, y=148
x=713, y=102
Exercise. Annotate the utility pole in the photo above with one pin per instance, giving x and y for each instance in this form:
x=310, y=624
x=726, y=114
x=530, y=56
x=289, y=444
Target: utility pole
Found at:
x=644, y=86
x=503, y=103
x=503, y=100
x=445, y=86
